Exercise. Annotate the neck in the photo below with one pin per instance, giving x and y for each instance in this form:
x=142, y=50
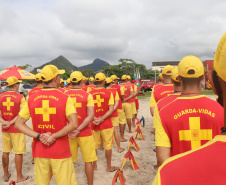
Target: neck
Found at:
x=188, y=92
x=76, y=86
x=91, y=83
x=167, y=82
x=100, y=85
x=13, y=89
x=177, y=88
x=51, y=85
x=39, y=85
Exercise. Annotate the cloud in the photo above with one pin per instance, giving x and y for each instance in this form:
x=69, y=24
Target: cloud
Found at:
x=36, y=32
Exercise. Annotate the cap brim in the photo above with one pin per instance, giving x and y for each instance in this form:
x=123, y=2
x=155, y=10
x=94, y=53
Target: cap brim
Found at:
x=20, y=81
x=62, y=71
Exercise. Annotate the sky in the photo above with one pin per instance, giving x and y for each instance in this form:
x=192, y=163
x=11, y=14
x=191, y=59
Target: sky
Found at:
x=35, y=32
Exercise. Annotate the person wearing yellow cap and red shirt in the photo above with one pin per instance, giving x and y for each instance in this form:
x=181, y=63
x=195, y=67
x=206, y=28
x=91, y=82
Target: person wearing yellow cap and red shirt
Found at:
x=84, y=84
x=206, y=164
x=126, y=103
x=114, y=116
x=10, y=104
x=102, y=126
x=91, y=85
x=82, y=137
x=121, y=113
x=38, y=79
x=69, y=86
x=159, y=84
x=133, y=100
x=190, y=120
x=50, y=110
x=136, y=100
x=164, y=90
x=61, y=87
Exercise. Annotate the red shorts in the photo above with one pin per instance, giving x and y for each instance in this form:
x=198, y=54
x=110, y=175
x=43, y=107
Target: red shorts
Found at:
x=137, y=104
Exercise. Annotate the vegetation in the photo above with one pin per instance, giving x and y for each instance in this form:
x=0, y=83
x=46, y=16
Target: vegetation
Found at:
x=95, y=66
x=88, y=73
x=25, y=66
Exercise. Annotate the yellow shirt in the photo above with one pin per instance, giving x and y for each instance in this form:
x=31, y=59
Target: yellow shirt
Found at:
x=90, y=102
x=152, y=100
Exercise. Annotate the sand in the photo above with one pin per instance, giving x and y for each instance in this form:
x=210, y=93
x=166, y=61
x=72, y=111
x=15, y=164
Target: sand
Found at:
x=145, y=157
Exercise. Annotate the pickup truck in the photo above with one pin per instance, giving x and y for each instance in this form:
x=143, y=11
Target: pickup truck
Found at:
x=147, y=85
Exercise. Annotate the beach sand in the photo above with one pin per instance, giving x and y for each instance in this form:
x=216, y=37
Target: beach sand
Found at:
x=145, y=157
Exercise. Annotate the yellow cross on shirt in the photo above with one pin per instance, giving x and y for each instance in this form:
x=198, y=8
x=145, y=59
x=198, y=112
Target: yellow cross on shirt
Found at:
x=76, y=104
x=8, y=103
x=98, y=100
x=45, y=110
x=195, y=134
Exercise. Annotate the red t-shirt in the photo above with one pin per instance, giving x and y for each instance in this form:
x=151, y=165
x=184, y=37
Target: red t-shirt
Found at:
x=80, y=99
x=115, y=113
x=91, y=87
x=190, y=122
x=34, y=90
x=47, y=110
x=117, y=88
x=67, y=88
x=61, y=90
x=84, y=87
x=10, y=102
x=127, y=89
x=157, y=85
x=101, y=99
x=165, y=101
x=163, y=91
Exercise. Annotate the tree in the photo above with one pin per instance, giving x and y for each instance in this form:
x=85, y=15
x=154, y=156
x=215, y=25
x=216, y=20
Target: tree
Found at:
x=25, y=66
x=66, y=75
x=88, y=73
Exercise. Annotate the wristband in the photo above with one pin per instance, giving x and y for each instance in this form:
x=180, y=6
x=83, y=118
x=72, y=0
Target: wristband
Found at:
x=223, y=129
x=37, y=138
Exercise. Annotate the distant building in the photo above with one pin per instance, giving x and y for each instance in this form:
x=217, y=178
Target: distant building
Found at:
x=158, y=66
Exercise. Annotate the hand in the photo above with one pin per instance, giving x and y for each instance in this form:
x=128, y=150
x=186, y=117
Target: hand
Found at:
x=98, y=120
x=47, y=139
x=6, y=125
x=74, y=134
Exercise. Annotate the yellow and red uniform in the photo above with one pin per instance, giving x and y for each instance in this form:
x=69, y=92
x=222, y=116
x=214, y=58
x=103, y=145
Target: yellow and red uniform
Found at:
x=33, y=91
x=136, y=100
x=185, y=124
x=127, y=105
x=160, y=93
x=67, y=88
x=121, y=114
x=114, y=115
x=61, y=90
x=84, y=140
x=133, y=100
x=10, y=104
x=48, y=109
x=204, y=165
x=102, y=99
x=90, y=88
x=84, y=87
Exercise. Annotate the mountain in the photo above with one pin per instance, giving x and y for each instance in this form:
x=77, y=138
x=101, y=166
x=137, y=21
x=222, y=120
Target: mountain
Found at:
x=61, y=62
x=96, y=65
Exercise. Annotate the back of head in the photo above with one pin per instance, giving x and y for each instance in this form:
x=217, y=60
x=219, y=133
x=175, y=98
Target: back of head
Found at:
x=49, y=72
x=175, y=77
x=99, y=78
x=38, y=78
x=76, y=77
x=166, y=73
x=124, y=78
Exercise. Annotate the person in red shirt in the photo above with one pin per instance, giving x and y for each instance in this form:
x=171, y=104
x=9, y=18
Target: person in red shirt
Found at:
x=102, y=126
x=84, y=84
x=82, y=137
x=206, y=164
x=126, y=103
x=164, y=90
x=91, y=85
x=61, y=87
x=50, y=110
x=38, y=79
x=136, y=100
x=192, y=119
x=114, y=116
x=10, y=104
x=69, y=86
x=121, y=113
x=159, y=84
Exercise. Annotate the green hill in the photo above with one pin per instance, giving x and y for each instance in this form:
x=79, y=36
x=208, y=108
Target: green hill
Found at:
x=61, y=62
x=96, y=65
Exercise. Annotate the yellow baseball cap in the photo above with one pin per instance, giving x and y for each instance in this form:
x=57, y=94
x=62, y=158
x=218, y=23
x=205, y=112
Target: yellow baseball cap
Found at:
x=167, y=70
x=190, y=63
x=114, y=77
x=219, y=58
x=160, y=76
x=91, y=79
x=49, y=72
x=68, y=80
x=108, y=80
x=76, y=76
x=12, y=80
x=175, y=75
x=38, y=77
x=84, y=78
x=100, y=77
x=124, y=77
x=129, y=77
x=61, y=80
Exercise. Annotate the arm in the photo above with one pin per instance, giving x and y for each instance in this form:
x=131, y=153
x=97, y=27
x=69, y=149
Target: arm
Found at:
x=152, y=110
x=162, y=153
x=131, y=96
x=116, y=104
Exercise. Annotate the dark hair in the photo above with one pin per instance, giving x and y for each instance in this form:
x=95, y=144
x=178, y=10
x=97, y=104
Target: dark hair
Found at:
x=175, y=83
x=76, y=83
x=218, y=88
x=166, y=76
x=48, y=82
x=98, y=82
x=39, y=82
x=107, y=84
x=191, y=81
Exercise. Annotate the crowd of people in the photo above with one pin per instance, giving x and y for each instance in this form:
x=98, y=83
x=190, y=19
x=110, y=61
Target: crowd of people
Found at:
x=65, y=119
x=189, y=128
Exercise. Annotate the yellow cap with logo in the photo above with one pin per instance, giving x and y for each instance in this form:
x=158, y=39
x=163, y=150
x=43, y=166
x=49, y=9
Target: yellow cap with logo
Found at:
x=76, y=76
x=114, y=77
x=100, y=77
x=91, y=79
x=220, y=58
x=190, y=67
x=61, y=80
x=49, y=72
x=167, y=70
x=124, y=77
x=129, y=77
x=38, y=77
x=108, y=80
x=160, y=76
x=12, y=80
x=68, y=80
x=175, y=75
